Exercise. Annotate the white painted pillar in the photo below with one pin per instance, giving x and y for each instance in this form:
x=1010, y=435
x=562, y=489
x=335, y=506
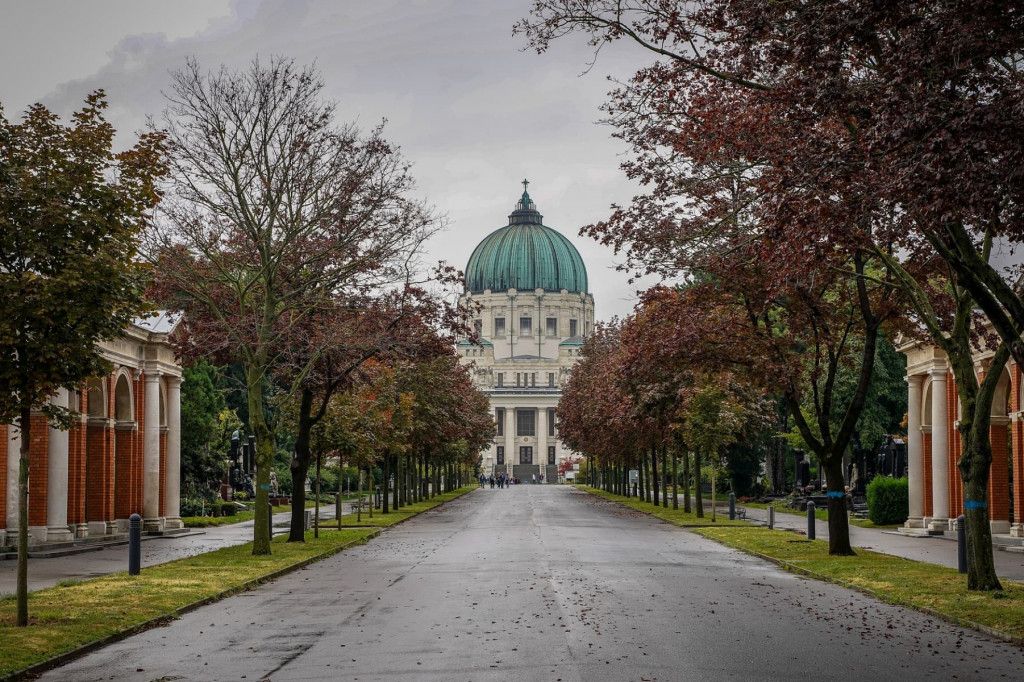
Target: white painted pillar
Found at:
x=940, y=452
x=13, y=459
x=510, y=439
x=172, y=490
x=542, y=440
x=151, y=455
x=915, y=452
x=57, y=529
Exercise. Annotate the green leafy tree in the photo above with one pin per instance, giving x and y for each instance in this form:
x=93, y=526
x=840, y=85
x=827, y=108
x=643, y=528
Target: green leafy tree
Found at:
x=206, y=427
x=71, y=210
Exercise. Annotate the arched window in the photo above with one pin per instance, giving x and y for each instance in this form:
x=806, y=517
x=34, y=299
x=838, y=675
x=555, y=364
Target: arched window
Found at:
x=123, y=400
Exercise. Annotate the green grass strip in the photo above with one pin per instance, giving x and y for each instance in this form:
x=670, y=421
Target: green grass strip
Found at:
x=76, y=616
x=936, y=590
x=393, y=517
x=674, y=516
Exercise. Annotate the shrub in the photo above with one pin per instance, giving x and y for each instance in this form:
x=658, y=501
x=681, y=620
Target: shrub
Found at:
x=888, y=500
x=228, y=509
x=192, y=506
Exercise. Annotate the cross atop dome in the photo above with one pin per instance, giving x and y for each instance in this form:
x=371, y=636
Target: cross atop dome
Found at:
x=526, y=203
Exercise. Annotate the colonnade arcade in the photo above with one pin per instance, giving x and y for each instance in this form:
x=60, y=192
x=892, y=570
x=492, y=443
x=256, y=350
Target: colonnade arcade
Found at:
x=934, y=445
x=120, y=456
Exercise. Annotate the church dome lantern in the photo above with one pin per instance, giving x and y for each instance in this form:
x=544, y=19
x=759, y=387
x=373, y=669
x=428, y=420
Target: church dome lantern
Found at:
x=525, y=255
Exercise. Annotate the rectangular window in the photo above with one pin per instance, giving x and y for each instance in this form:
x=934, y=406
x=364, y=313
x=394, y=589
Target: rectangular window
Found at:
x=526, y=422
x=551, y=454
x=551, y=379
x=517, y=378
x=551, y=324
x=551, y=421
x=501, y=379
x=533, y=379
x=572, y=328
x=499, y=327
x=478, y=327
x=501, y=455
x=525, y=454
x=499, y=420
x=525, y=326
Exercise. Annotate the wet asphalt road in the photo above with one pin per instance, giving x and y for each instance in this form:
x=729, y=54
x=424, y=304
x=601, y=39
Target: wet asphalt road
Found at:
x=547, y=583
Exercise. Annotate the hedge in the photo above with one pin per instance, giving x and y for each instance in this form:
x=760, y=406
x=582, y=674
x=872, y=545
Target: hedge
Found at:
x=888, y=500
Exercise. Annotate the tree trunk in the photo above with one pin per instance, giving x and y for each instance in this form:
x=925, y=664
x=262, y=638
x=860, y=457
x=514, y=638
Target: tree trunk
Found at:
x=838, y=519
x=386, y=475
x=714, y=499
x=359, y=504
x=316, y=509
x=698, y=485
x=977, y=459
x=643, y=476
x=369, y=482
x=299, y=467
x=25, y=425
x=664, y=476
x=675, y=480
x=654, y=474
x=398, y=480
x=686, y=481
x=254, y=374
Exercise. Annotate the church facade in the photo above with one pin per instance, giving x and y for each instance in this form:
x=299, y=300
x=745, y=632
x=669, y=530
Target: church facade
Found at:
x=528, y=284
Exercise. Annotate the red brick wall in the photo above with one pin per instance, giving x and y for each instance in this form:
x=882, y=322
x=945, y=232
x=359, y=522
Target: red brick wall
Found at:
x=99, y=501
x=139, y=394
x=954, y=487
x=999, y=476
x=124, y=499
x=38, y=439
x=3, y=474
x=76, y=473
x=1017, y=432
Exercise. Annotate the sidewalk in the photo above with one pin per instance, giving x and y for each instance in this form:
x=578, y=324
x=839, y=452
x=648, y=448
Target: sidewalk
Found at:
x=46, y=572
x=936, y=550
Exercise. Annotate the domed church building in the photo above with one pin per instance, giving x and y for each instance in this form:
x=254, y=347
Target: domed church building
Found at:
x=534, y=312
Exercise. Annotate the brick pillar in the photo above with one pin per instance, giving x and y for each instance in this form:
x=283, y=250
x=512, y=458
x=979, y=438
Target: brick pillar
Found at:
x=76, y=472
x=124, y=471
x=999, y=477
x=37, y=480
x=4, y=436
x=1017, y=432
x=954, y=486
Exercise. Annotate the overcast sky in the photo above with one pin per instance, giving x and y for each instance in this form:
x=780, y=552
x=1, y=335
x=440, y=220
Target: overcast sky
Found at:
x=472, y=110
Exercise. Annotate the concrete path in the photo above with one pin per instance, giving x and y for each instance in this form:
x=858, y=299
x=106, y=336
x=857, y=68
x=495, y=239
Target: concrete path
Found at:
x=46, y=572
x=547, y=583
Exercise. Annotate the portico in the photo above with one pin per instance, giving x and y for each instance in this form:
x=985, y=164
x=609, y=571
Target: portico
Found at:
x=120, y=456
x=936, y=496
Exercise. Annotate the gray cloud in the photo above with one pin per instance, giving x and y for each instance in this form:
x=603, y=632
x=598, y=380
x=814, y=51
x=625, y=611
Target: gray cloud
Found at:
x=471, y=109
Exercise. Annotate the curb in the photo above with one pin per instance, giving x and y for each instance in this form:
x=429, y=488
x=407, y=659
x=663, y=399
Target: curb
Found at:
x=749, y=523
x=800, y=570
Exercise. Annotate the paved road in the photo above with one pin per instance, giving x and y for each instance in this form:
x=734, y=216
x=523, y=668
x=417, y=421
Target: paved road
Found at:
x=547, y=583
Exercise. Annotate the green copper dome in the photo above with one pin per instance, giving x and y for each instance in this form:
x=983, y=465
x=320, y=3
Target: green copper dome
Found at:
x=525, y=255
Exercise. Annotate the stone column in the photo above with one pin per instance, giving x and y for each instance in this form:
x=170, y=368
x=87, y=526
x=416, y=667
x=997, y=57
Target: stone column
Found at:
x=915, y=452
x=940, y=452
x=510, y=438
x=542, y=440
x=57, y=529
x=172, y=492
x=151, y=455
x=13, y=458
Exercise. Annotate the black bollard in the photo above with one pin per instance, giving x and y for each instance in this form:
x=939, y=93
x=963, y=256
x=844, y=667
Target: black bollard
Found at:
x=732, y=506
x=134, y=544
x=771, y=516
x=810, y=520
x=961, y=544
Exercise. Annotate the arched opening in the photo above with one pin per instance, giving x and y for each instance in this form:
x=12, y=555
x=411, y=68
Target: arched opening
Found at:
x=96, y=403
x=123, y=400
x=1000, y=486
x=163, y=413
x=926, y=450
